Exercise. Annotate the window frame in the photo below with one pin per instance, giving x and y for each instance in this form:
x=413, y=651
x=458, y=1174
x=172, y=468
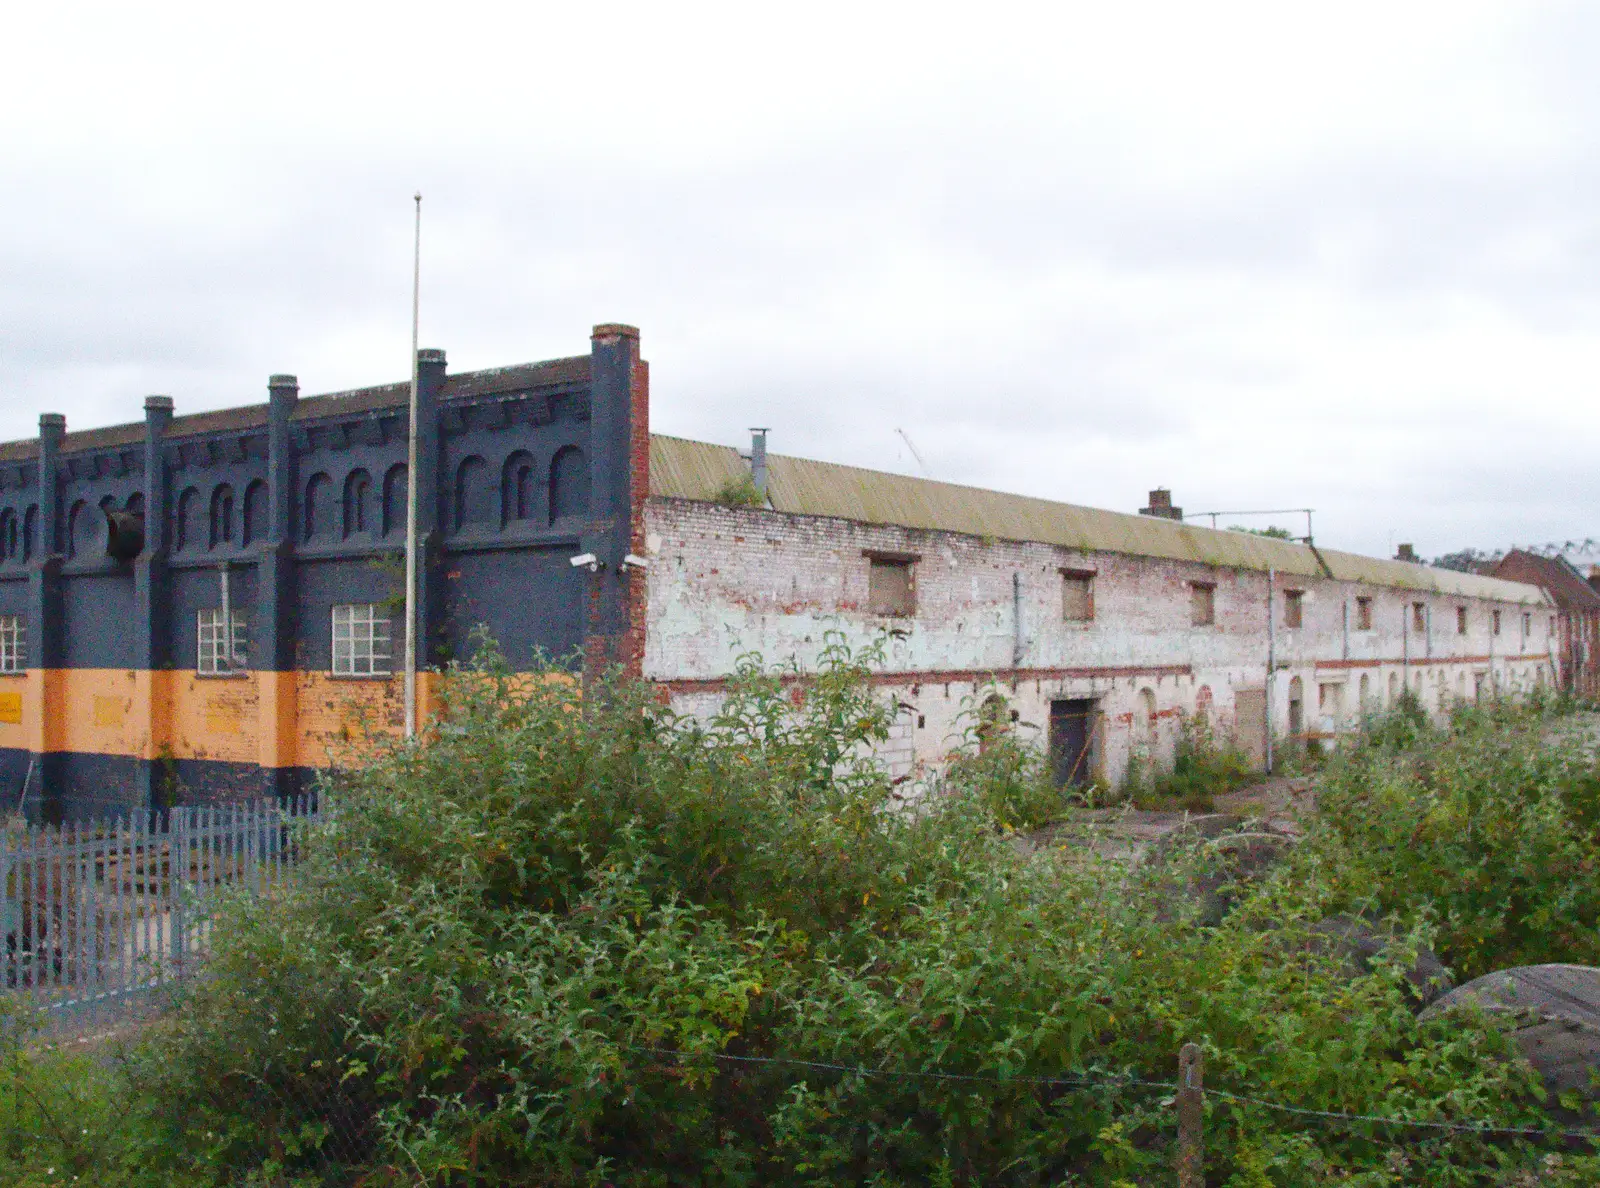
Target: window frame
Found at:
x=13, y=645
x=208, y=625
x=1363, y=612
x=1202, y=594
x=361, y=657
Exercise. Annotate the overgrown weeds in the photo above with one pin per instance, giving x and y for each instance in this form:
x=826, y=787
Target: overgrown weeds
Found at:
x=1489, y=824
x=575, y=941
x=1203, y=768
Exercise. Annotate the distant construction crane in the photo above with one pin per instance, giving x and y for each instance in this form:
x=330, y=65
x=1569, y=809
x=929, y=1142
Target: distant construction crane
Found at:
x=906, y=437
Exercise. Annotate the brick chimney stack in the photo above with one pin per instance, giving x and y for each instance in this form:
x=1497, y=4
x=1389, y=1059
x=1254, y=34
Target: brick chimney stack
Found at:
x=1161, y=506
x=1406, y=553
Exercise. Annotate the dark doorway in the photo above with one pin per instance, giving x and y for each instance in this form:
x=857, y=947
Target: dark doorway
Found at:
x=1071, y=729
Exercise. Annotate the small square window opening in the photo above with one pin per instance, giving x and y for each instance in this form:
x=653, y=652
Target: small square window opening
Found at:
x=1495, y=622
x=1202, y=604
x=220, y=652
x=13, y=644
x=1363, y=614
x=889, y=588
x=1461, y=620
x=1419, y=616
x=1294, y=608
x=360, y=640
x=1077, y=596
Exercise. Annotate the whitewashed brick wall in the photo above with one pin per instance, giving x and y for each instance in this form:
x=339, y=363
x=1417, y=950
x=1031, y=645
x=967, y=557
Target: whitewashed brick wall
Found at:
x=726, y=581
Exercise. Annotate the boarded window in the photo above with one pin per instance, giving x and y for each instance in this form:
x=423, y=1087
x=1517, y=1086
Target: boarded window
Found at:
x=1293, y=608
x=1461, y=620
x=1363, y=614
x=1077, y=596
x=1202, y=604
x=889, y=589
x=1419, y=617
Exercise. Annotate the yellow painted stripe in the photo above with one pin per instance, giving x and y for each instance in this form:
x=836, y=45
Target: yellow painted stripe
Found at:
x=266, y=719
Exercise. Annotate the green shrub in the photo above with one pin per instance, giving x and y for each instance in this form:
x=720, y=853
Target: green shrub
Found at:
x=741, y=492
x=1486, y=824
x=1202, y=769
x=1004, y=774
x=579, y=941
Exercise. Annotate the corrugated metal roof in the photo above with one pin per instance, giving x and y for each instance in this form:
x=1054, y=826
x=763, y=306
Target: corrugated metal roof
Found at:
x=681, y=469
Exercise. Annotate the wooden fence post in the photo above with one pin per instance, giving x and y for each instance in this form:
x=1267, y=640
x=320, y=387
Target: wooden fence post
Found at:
x=1191, y=1118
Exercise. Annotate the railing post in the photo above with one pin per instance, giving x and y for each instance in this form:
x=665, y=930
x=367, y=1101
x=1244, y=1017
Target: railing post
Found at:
x=1191, y=1118
x=177, y=878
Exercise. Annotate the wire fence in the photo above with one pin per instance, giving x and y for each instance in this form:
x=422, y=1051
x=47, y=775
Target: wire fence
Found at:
x=344, y=1144
x=100, y=917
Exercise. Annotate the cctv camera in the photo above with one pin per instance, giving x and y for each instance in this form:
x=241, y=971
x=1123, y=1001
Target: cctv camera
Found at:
x=585, y=561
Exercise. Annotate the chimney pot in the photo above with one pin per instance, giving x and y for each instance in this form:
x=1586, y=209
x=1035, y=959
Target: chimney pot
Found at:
x=1406, y=553
x=1161, y=506
x=758, y=460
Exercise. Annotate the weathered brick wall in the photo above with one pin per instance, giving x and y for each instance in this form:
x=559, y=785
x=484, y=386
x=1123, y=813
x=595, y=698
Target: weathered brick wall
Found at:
x=726, y=581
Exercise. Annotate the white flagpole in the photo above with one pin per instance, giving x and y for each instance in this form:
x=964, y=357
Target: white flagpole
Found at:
x=411, y=486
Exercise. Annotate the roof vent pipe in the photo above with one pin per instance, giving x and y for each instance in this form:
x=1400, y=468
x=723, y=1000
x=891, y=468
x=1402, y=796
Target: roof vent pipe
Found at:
x=758, y=460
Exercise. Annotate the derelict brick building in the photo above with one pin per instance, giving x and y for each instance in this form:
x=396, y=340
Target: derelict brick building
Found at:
x=1097, y=634
x=118, y=548
x=208, y=606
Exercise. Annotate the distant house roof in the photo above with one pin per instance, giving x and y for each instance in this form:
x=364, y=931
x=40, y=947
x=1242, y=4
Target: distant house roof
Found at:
x=1554, y=575
x=681, y=469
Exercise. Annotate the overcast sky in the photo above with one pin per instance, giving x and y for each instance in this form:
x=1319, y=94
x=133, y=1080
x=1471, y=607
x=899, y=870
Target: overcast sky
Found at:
x=1349, y=260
